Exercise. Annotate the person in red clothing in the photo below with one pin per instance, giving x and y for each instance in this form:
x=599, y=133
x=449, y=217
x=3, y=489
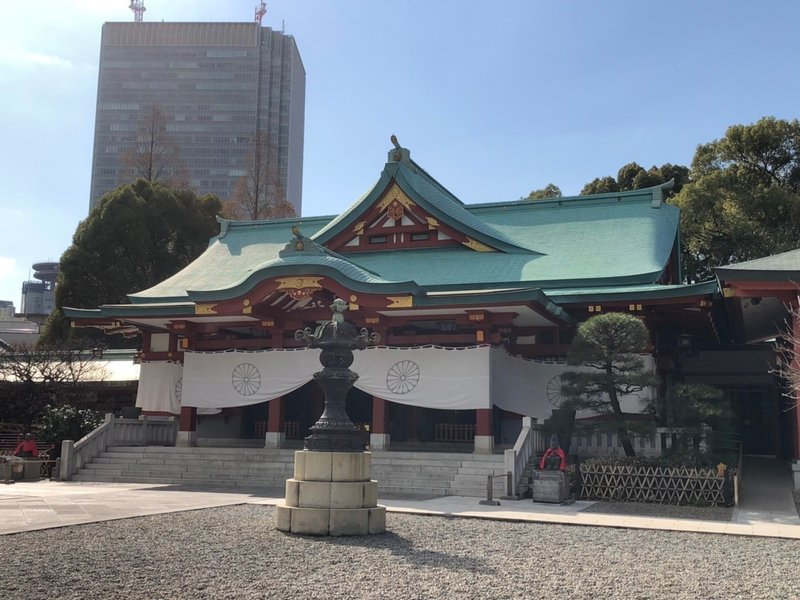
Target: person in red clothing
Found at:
x=27, y=447
x=554, y=458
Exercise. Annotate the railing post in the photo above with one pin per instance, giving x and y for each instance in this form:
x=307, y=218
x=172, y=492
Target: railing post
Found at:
x=67, y=460
x=510, y=462
x=489, y=500
x=141, y=434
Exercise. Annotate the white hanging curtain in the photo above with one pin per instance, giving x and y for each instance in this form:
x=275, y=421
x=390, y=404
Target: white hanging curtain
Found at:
x=431, y=377
x=443, y=378
x=226, y=379
x=160, y=387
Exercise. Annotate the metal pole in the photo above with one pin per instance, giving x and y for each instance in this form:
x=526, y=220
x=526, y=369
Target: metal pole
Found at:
x=489, y=501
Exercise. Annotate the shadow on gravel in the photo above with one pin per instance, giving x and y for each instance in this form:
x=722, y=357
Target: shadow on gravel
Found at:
x=264, y=492
x=404, y=549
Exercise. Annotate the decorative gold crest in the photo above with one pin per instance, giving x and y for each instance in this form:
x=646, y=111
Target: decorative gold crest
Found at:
x=205, y=309
x=395, y=194
x=299, y=288
x=395, y=210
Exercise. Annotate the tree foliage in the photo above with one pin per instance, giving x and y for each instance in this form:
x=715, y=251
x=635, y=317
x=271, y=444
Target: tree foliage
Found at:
x=152, y=154
x=635, y=177
x=608, y=347
x=33, y=380
x=551, y=190
x=137, y=236
x=66, y=422
x=743, y=201
x=259, y=194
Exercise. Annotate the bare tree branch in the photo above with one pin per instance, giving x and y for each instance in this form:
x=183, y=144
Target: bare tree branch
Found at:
x=258, y=193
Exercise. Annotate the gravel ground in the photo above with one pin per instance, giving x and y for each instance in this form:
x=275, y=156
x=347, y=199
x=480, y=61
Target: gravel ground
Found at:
x=235, y=552
x=667, y=511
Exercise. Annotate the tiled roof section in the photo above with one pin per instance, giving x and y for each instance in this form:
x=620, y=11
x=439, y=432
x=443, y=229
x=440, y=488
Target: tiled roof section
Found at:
x=452, y=209
x=247, y=252
x=778, y=267
x=632, y=292
x=239, y=250
x=619, y=237
x=602, y=240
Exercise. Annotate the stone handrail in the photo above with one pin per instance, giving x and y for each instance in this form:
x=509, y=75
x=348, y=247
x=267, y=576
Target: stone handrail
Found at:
x=654, y=443
x=115, y=432
x=529, y=441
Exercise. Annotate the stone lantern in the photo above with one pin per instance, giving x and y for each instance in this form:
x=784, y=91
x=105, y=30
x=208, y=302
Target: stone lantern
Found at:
x=332, y=492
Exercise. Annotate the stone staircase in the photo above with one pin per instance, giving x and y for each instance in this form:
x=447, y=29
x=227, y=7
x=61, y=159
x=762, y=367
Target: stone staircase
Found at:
x=435, y=473
x=526, y=479
x=429, y=473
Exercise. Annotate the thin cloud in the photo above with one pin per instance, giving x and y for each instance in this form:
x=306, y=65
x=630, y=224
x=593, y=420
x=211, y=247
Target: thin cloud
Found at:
x=8, y=267
x=21, y=58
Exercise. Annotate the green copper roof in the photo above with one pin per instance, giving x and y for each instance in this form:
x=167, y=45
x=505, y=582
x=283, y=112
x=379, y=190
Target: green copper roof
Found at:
x=586, y=242
x=632, y=292
x=167, y=309
x=246, y=252
x=778, y=267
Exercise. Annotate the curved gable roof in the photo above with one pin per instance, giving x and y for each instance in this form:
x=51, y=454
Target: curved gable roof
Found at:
x=431, y=196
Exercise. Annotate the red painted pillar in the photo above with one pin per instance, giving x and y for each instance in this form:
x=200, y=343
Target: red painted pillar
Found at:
x=277, y=412
x=380, y=415
x=483, y=421
x=484, y=434
x=379, y=437
x=187, y=427
x=276, y=424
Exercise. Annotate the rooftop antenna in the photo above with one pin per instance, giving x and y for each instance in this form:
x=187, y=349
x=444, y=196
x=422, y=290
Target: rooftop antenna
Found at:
x=137, y=6
x=261, y=10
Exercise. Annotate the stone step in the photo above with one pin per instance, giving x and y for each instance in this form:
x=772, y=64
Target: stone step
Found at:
x=397, y=472
x=248, y=457
x=483, y=471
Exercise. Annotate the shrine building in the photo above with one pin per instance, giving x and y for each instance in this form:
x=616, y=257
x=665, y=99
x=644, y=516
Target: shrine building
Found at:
x=475, y=305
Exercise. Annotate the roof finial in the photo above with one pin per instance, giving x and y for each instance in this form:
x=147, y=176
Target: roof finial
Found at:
x=394, y=141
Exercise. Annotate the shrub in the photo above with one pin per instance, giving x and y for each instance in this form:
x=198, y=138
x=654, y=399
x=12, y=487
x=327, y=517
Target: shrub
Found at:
x=66, y=423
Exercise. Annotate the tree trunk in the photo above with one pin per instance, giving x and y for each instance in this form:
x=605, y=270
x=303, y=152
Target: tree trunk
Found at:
x=619, y=420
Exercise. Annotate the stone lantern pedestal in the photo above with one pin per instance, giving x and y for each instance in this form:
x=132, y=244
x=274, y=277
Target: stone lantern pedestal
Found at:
x=332, y=492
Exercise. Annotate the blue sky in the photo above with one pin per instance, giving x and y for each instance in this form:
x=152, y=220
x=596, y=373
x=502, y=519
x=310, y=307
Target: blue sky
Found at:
x=494, y=99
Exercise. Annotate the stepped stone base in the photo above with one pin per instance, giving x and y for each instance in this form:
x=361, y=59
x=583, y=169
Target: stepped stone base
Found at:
x=550, y=486
x=331, y=493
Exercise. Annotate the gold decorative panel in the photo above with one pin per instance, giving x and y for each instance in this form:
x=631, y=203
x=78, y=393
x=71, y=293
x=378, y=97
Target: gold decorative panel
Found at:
x=205, y=309
x=477, y=246
x=299, y=283
x=395, y=194
x=400, y=301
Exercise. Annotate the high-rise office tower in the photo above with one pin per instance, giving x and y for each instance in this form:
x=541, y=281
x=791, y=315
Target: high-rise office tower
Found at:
x=212, y=88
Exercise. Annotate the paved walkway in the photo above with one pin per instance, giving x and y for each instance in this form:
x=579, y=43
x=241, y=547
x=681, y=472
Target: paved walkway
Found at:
x=28, y=506
x=767, y=487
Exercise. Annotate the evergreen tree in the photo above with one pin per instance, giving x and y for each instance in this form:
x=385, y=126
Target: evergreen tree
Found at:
x=608, y=347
